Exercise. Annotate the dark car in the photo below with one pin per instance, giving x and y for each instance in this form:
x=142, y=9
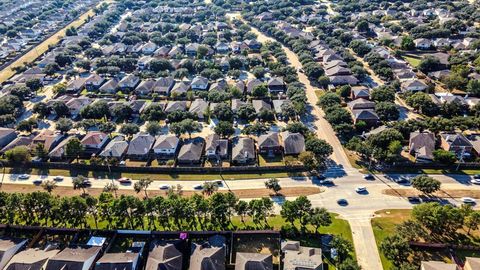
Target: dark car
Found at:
x=412, y=199
x=342, y=202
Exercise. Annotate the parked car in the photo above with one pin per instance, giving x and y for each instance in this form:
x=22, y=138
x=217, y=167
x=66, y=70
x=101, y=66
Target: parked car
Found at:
x=198, y=187
x=58, y=178
x=476, y=176
x=24, y=176
x=326, y=182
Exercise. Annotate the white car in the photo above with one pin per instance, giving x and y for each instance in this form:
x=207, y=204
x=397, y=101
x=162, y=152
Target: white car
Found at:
x=58, y=178
x=164, y=187
x=468, y=200
x=24, y=176
x=475, y=181
x=360, y=189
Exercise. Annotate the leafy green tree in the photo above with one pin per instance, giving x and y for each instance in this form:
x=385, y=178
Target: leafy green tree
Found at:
x=320, y=148
x=122, y=112
x=64, y=125
x=349, y=264
x=329, y=100
x=18, y=155
x=320, y=217
x=444, y=157
x=41, y=109
x=208, y=188
x=383, y=94
x=426, y=184
x=273, y=184
x=396, y=248
x=79, y=182
x=224, y=129
x=407, y=43
x=107, y=127
x=34, y=84
x=260, y=91
x=223, y=112
x=73, y=148
x=60, y=109
x=387, y=111
x=343, y=248
x=49, y=185
x=188, y=126
x=429, y=63
x=246, y=112
x=129, y=129
x=256, y=129
x=153, y=128
x=142, y=185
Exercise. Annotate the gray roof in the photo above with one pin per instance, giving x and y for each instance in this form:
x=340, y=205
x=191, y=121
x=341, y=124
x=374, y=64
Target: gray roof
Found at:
x=293, y=143
x=260, y=105
x=164, y=256
x=176, y=106
x=253, y=261
x=191, y=150
x=115, y=148
x=198, y=107
x=31, y=259
x=140, y=144
x=269, y=140
x=73, y=258
x=166, y=142
x=118, y=261
x=209, y=255
x=436, y=265
x=243, y=148
x=422, y=143
x=181, y=87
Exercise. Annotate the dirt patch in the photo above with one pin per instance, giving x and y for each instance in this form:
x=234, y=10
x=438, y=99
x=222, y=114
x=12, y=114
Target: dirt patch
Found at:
x=444, y=193
x=242, y=193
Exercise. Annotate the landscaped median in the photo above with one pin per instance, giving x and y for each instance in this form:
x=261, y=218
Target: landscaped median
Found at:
x=401, y=235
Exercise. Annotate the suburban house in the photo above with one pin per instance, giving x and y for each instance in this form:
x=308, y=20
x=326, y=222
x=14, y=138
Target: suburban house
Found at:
x=121, y=260
x=413, y=85
x=110, y=87
x=7, y=135
x=164, y=85
x=48, y=138
x=128, y=83
x=31, y=258
x=259, y=261
x=164, y=255
x=293, y=143
x=269, y=144
x=8, y=248
x=199, y=83
x=298, y=257
x=216, y=148
x=199, y=108
x=260, y=105
x=276, y=85
x=422, y=145
x=237, y=103
x=19, y=141
x=361, y=103
x=94, y=82
x=251, y=84
x=180, y=88
x=59, y=152
x=278, y=106
x=173, y=106
x=166, y=146
x=76, y=257
x=191, y=151
x=116, y=148
x=365, y=115
x=209, y=254
x=455, y=142
x=423, y=43
x=243, y=151
x=359, y=92
x=140, y=145
x=145, y=87
x=94, y=141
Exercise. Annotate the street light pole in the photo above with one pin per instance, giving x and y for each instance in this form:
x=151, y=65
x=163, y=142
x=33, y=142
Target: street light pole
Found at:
x=3, y=173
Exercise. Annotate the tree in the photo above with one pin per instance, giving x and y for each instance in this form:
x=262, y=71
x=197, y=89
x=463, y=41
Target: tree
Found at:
x=188, y=126
x=407, y=43
x=122, y=112
x=256, y=129
x=246, y=112
x=260, y=90
x=308, y=159
x=444, y=157
x=107, y=127
x=439, y=219
x=96, y=110
x=320, y=217
x=342, y=246
x=387, y=111
x=153, y=128
x=41, y=109
x=40, y=151
x=362, y=26
x=429, y=63
x=422, y=102
x=49, y=185
x=153, y=113
x=383, y=94
x=64, y=125
x=320, y=148
x=473, y=87
x=329, y=100
x=142, y=184
x=472, y=220
x=210, y=187
x=129, y=129
x=60, y=109
x=313, y=70
x=27, y=125
x=18, y=155
x=426, y=184
x=273, y=184
x=350, y=264
x=223, y=112
x=323, y=81
x=396, y=248
x=73, y=148
x=224, y=129
x=80, y=182
x=34, y=84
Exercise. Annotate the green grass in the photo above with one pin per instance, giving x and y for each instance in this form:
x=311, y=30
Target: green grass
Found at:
x=384, y=226
x=155, y=176
x=268, y=161
x=414, y=62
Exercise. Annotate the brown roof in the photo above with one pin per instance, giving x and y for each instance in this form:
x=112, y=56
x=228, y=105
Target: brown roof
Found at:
x=31, y=259
x=164, y=256
x=209, y=255
x=253, y=261
x=73, y=258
